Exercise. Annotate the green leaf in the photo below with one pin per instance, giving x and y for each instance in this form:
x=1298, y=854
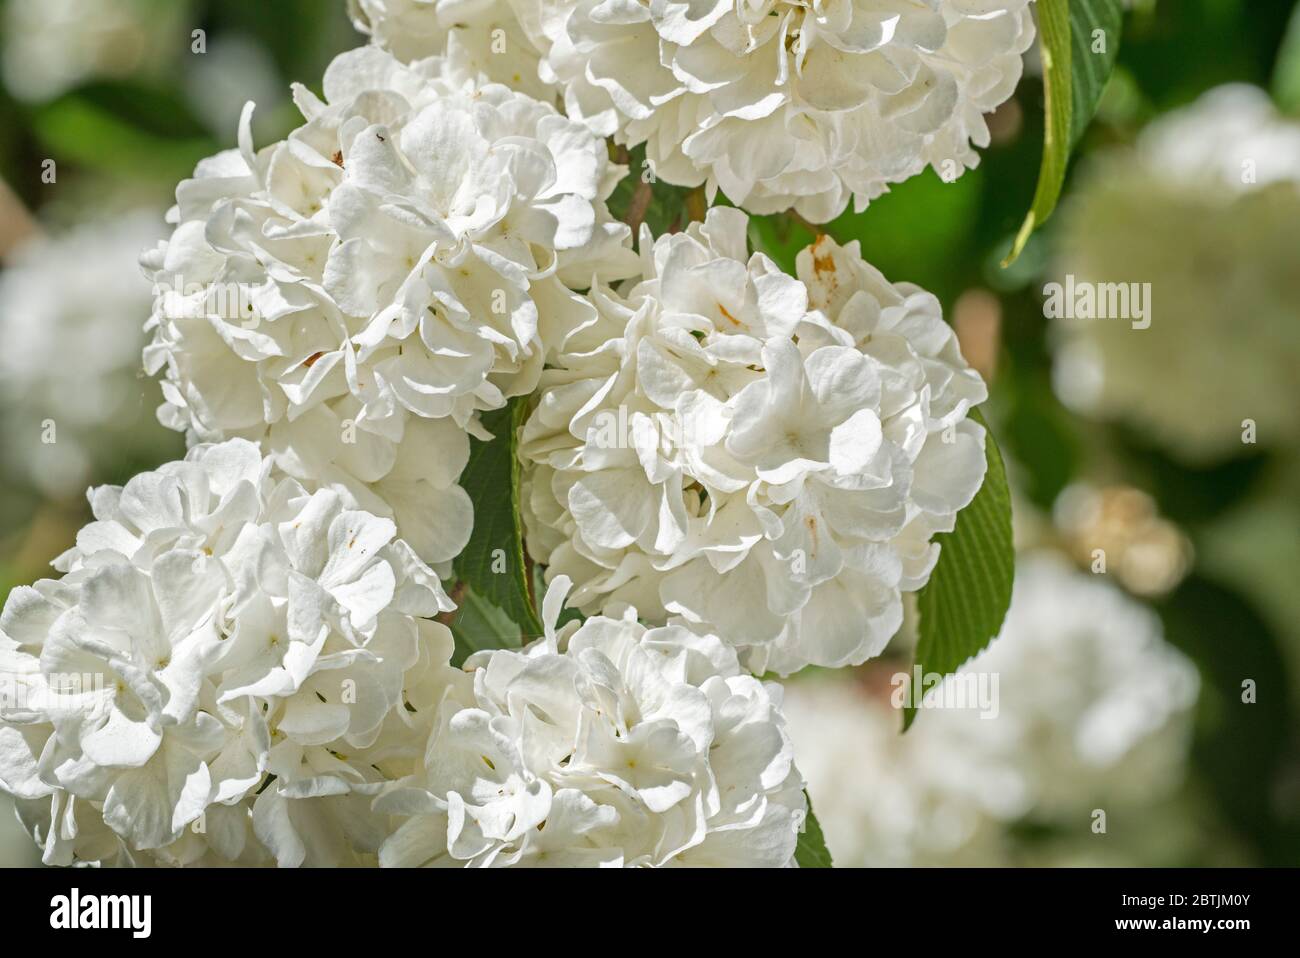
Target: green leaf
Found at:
x=888, y=234
x=811, y=852
x=1092, y=57
x=640, y=196
x=966, y=599
x=1286, y=69
x=1078, y=40
x=1054, y=46
x=88, y=129
x=479, y=625
x=492, y=565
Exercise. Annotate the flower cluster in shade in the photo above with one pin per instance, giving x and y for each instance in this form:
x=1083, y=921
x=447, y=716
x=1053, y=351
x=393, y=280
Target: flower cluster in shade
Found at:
x=767, y=455
x=487, y=36
x=1205, y=208
x=74, y=403
x=49, y=47
x=1094, y=710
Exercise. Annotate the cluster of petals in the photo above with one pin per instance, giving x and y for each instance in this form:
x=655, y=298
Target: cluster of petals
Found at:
x=352, y=296
x=487, y=36
x=228, y=669
x=603, y=744
x=783, y=103
x=736, y=471
x=767, y=455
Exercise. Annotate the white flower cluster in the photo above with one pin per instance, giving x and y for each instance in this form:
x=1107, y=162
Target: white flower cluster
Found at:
x=353, y=295
x=1206, y=209
x=226, y=669
x=606, y=744
x=766, y=455
x=1093, y=710
x=778, y=103
x=232, y=668
x=75, y=404
x=737, y=471
x=784, y=103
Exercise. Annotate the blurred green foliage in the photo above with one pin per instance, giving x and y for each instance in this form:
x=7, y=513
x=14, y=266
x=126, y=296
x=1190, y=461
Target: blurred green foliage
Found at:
x=143, y=128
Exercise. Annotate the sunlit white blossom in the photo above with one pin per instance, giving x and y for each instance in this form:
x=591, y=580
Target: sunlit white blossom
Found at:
x=353, y=295
x=226, y=671
x=781, y=103
x=765, y=454
x=609, y=744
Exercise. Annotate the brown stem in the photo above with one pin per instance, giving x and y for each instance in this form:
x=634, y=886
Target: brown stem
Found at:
x=798, y=218
x=637, y=208
x=697, y=205
x=457, y=593
x=529, y=584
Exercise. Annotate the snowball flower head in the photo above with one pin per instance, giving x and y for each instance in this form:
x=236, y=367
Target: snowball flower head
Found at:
x=605, y=743
x=767, y=455
x=227, y=667
x=353, y=295
x=72, y=307
x=1206, y=210
x=784, y=103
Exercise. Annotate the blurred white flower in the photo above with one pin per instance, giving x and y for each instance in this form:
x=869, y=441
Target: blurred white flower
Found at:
x=72, y=311
x=227, y=669
x=1093, y=711
x=352, y=296
x=781, y=103
x=234, y=70
x=1206, y=209
x=767, y=455
x=1232, y=140
x=607, y=743
x=1094, y=703
x=51, y=46
x=885, y=799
